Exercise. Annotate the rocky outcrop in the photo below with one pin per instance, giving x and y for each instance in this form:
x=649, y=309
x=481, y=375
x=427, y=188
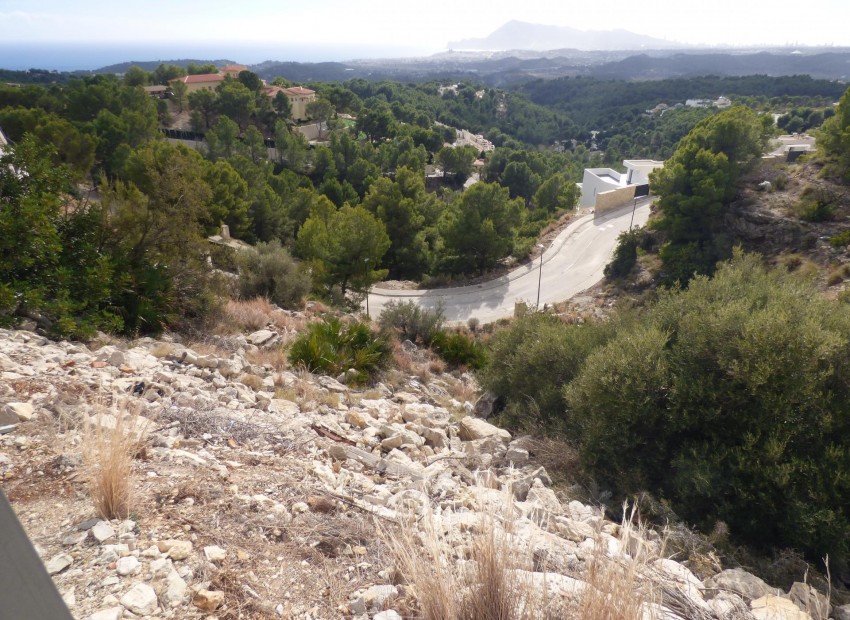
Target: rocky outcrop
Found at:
x=239, y=477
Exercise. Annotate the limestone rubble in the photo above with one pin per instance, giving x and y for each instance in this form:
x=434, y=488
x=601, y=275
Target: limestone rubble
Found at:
x=274, y=495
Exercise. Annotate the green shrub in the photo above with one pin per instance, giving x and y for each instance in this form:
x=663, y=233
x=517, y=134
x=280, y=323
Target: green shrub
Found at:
x=458, y=349
x=532, y=359
x=271, y=272
x=625, y=254
x=412, y=322
x=732, y=400
x=333, y=347
x=841, y=240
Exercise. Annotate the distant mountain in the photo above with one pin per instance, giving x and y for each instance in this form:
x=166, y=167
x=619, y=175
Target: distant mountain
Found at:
x=516, y=35
x=150, y=65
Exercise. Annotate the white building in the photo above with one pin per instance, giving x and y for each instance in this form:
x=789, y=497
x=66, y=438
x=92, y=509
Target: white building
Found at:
x=599, y=180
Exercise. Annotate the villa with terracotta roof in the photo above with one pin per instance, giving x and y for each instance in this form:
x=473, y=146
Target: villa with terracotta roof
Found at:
x=233, y=70
x=203, y=81
x=298, y=96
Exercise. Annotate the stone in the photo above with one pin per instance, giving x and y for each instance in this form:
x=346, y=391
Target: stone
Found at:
x=58, y=563
x=74, y=538
x=377, y=597
x=214, y=553
x=175, y=549
x=262, y=337
x=470, y=429
x=740, y=582
x=770, y=607
x=332, y=385
x=576, y=531
x=355, y=418
x=141, y=599
x=389, y=614
x=543, y=498
x=484, y=405
x=810, y=600
x=208, y=600
x=435, y=437
x=102, y=531
x=175, y=591
x=18, y=412
x=113, y=613
x=516, y=456
x=128, y=565
x=841, y=613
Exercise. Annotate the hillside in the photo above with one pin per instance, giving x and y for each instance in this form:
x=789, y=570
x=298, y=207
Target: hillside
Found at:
x=260, y=491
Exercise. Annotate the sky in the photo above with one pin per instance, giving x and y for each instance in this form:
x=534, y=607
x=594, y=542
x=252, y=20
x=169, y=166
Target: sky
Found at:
x=422, y=27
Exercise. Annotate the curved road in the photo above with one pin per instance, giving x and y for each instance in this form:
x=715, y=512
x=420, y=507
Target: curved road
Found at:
x=571, y=264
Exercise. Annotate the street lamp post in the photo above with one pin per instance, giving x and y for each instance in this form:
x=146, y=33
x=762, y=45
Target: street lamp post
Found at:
x=539, y=274
x=366, y=274
x=634, y=206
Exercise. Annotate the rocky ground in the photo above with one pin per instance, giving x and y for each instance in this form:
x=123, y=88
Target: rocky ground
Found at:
x=263, y=492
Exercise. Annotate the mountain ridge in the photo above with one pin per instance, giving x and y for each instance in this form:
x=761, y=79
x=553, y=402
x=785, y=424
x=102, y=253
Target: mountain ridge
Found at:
x=524, y=35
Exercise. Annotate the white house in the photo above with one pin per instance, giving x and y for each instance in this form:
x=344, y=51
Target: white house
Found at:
x=600, y=180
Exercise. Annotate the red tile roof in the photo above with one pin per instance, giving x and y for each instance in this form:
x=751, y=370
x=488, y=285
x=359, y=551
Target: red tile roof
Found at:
x=203, y=78
x=299, y=90
x=235, y=68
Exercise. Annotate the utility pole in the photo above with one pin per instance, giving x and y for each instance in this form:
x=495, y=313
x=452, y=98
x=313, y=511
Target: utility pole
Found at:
x=539, y=274
x=366, y=275
x=634, y=207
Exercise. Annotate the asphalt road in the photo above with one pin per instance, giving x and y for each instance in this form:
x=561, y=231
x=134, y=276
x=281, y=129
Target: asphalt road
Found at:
x=571, y=264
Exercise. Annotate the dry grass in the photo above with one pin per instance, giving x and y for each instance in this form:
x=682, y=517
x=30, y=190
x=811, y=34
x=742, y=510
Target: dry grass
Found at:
x=110, y=442
x=253, y=314
x=618, y=587
x=275, y=358
x=492, y=581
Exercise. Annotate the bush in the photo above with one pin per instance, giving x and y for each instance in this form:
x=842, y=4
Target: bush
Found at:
x=458, y=349
x=841, y=240
x=625, y=254
x=333, y=347
x=532, y=359
x=731, y=400
x=412, y=322
x=271, y=272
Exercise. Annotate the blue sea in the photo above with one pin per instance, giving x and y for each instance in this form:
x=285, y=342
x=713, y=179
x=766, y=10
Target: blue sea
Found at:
x=87, y=56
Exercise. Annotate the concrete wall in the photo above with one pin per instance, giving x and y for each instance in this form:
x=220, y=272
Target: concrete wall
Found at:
x=608, y=201
x=592, y=184
x=637, y=170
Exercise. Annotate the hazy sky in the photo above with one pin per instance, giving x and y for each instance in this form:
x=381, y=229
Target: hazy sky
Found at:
x=428, y=24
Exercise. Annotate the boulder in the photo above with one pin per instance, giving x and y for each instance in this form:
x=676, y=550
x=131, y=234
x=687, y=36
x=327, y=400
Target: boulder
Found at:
x=740, y=582
x=772, y=607
x=141, y=600
x=263, y=337
x=208, y=600
x=470, y=429
x=175, y=549
x=484, y=405
x=17, y=412
x=810, y=600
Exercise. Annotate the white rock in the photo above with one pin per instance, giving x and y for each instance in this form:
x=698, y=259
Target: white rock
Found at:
x=175, y=549
x=389, y=614
x=377, y=597
x=23, y=411
x=772, y=607
x=113, y=613
x=141, y=599
x=128, y=565
x=470, y=429
x=102, y=531
x=58, y=563
x=175, y=592
x=261, y=337
x=214, y=553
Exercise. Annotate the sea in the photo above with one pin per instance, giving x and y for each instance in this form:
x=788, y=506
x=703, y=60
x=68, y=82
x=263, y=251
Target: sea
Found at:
x=90, y=56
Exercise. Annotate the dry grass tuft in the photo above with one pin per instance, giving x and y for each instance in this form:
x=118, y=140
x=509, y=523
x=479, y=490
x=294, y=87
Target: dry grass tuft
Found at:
x=274, y=357
x=619, y=587
x=491, y=582
x=110, y=442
